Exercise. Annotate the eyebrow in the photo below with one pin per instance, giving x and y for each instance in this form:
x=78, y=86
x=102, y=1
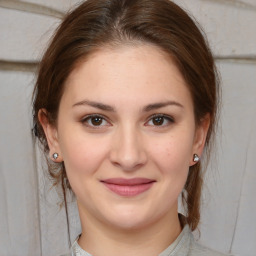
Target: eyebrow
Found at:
x=161, y=105
x=95, y=105
x=109, y=108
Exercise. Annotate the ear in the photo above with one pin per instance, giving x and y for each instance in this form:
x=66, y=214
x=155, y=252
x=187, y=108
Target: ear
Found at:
x=51, y=135
x=200, y=137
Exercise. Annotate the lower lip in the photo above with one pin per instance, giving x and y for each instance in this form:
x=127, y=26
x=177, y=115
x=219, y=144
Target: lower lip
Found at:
x=128, y=190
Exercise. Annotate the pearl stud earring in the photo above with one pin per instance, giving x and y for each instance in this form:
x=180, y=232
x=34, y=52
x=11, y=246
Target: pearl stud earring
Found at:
x=196, y=158
x=55, y=156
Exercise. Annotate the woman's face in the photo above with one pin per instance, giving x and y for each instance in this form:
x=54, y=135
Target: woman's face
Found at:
x=126, y=133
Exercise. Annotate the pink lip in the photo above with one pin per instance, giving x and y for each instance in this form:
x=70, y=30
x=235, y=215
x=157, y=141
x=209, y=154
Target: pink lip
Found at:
x=128, y=187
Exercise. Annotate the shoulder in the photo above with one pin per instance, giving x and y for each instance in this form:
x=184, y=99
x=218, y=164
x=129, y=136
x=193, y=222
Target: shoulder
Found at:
x=197, y=249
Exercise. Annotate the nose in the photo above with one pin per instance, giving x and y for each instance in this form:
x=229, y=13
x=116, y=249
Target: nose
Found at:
x=128, y=149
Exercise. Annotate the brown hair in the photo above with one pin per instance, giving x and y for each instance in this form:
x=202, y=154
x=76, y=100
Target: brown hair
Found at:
x=98, y=23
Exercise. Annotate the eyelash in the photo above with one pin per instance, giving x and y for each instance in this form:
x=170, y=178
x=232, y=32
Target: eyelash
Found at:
x=88, y=118
x=166, y=118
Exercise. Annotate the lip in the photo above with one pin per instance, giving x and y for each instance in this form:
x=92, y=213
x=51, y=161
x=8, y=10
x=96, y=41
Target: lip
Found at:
x=128, y=187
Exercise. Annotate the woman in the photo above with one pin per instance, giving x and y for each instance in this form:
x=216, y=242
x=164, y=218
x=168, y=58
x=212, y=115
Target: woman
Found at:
x=125, y=105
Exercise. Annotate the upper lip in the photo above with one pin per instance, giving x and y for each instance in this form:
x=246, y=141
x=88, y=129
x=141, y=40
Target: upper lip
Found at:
x=128, y=182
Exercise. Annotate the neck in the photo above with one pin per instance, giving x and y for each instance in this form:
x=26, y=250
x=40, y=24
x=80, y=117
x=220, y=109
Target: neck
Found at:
x=100, y=239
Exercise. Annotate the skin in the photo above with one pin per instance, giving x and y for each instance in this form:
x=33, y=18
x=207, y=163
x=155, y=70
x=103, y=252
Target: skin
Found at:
x=127, y=142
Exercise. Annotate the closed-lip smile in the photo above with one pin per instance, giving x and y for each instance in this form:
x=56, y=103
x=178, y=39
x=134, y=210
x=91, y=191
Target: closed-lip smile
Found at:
x=128, y=187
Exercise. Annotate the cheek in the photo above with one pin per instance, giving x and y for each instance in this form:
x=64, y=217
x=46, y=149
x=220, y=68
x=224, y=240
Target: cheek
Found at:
x=173, y=153
x=82, y=155
x=172, y=158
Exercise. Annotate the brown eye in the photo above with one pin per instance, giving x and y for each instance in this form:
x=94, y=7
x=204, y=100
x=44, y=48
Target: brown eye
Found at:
x=97, y=120
x=159, y=120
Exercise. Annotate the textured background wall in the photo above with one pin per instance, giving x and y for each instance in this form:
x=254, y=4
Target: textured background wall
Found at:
x=30, y=221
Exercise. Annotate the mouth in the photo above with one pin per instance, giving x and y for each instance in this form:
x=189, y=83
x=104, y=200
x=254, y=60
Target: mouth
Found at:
x=128, y=187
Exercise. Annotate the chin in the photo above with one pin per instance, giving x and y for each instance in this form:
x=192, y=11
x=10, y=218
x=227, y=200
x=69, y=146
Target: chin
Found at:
x=130, y=219
x=128, y=224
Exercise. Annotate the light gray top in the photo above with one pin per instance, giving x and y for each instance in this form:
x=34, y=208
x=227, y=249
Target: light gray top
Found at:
x=184, y=245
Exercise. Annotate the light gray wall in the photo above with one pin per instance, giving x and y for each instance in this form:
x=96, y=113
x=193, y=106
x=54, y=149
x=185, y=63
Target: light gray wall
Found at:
x=30, y=221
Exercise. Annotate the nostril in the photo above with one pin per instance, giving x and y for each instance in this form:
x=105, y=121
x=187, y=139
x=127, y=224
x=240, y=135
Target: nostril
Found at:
x=127, y=150
x=128, y=162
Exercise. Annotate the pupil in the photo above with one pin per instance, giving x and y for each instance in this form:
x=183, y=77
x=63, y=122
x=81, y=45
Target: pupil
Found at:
x=158, y=120
x=96, y=120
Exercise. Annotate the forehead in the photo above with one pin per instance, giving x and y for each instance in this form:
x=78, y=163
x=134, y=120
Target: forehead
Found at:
x=142, y=72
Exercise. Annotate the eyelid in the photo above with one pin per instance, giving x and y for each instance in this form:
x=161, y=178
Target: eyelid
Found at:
x=87, y=117
x=168, y=117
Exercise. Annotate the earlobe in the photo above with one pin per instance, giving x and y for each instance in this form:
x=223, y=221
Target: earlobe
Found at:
x=51, y=135
x=200, y=138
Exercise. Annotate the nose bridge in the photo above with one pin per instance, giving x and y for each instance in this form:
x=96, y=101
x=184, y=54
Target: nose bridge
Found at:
x=128, y=150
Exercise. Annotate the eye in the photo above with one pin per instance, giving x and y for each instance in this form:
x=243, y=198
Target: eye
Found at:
x=95, y=121
x=160, y=120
